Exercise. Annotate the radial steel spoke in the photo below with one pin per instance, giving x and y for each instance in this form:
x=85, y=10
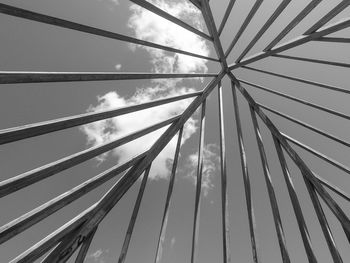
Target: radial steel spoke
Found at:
x=197, y=203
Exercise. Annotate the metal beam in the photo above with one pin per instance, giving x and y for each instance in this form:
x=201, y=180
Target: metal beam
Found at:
x=36, y=129
x=26, y=14
x=34, y=216
x=20, y=181
x=11, y=77
x=154, y=9
x=224, y=201
x=164, y=223
x=311, y=6
x=197, y=202
x=293, y=43
x=314, y=83
x=246, y=179
x=264, y=28
x=246, y=22
x=271, y=191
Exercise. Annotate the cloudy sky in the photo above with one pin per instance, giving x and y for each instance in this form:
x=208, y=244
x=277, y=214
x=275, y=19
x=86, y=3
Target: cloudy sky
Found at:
x=33, y=46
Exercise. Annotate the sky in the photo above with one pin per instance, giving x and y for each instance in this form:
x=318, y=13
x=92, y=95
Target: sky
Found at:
x=27, y=45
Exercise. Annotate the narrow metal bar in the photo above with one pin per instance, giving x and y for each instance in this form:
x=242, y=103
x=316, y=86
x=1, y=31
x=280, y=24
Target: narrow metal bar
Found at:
x=318, y=154
x=210, y=22
x=246, y=22
x=332, y=187
x=246, y=180
x=333, y=112
x=271, y=191
x=226, y=16
x=226, y=253
x=311, y=6
x=118, y=190
x=334, y=207
x=295, y=202
x=308, y=126
x=133, y=218
x=20, y=181
x=13, y=77
x=323, y=221
x=34, y=216
x=53, y=255
x=334, y=39
x=293, y=43
x=26, y=14
x=317, y=84
x=154, y=9
x=198, y=186
x=50, y=241
x=36, y=129
x=85, y=247
x=318, y=61
x=164, y=223
x=336, y=10
x=264, y=28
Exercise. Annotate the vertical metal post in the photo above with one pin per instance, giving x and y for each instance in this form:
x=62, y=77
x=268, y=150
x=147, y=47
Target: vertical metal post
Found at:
x=224, y=202
x=133, y=218
x=167, y=202
x=198, y=187
x=295, y=202
x=271, y=191
x=85, y=247
x=246, y=180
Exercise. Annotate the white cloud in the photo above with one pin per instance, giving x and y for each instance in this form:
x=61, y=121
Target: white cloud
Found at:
x=210, y=163
x=153, y=28
x=118, y=66
x=150, y=27
x=107, y=130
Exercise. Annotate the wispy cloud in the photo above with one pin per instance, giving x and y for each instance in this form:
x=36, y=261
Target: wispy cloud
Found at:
x=100, y=256
x=210, y=166
x=150, y=27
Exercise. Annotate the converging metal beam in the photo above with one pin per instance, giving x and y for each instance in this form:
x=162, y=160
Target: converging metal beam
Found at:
x=314, y=83
x=293, y=43
x=20, y=181
x=36, y=129
x=330, y=111
x=224, y=202
x=93, y=217
x=306, y=125
x=133, y=218
x=246, y=22
x=164, y=223
x=26, y=14
x=226, y=16
x=318, y=61
x=41, y=212
x=246, y=179
x=210, y=22
x=11, y=77
x=311, y=6
x=264, y=28
x=197, y=203
x=270, y=190
x=336, y=10
x=334, y=207
x=154, y=9
x=85, y=247
x=295, y=203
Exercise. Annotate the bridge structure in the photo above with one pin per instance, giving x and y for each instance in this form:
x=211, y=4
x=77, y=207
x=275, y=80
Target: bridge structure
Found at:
x=77, y=234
